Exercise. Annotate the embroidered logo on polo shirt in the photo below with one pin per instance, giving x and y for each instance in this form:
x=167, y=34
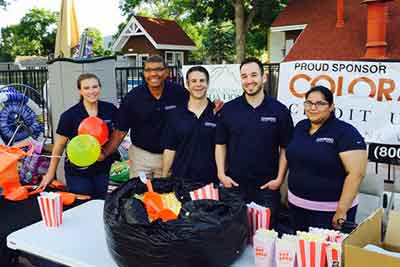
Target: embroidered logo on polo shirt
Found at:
x=268, y=119
x=210, y=124
x=169, y=107
x=327, y=140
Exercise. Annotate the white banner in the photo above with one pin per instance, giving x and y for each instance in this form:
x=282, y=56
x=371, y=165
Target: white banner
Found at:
x=366, y=94
x=224, y=81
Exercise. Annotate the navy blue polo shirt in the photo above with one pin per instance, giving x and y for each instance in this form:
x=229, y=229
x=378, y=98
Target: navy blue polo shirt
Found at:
x=68, y=126
x=146, y=115
x=193, y=139
x=315, y=169
x=253, y=137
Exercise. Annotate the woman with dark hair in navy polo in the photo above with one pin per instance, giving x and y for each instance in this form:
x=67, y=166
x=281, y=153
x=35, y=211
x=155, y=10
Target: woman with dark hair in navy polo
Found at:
x=92, y=180
x=327, y=160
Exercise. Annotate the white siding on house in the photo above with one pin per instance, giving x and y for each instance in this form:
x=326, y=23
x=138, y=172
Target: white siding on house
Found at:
x=277, y=46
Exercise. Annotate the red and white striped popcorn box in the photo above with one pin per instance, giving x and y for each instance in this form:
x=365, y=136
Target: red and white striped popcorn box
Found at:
x=205, y=192
x=334, y=255
x=285, y=252
x=311, y=253
x=311, y=250
x=331, y=235
x=264, y=248
x=259, y=218
x=339, y=238
x=51, y=208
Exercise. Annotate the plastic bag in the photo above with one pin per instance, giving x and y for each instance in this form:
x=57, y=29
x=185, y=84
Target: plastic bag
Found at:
x=9, y=156
x=32, y=168
x=119, y=171
x=207, y=232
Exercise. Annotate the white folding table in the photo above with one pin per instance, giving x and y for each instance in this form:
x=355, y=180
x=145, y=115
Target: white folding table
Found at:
x=80, y=241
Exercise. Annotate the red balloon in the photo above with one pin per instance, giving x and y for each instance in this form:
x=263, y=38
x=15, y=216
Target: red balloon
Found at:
x=95, y=127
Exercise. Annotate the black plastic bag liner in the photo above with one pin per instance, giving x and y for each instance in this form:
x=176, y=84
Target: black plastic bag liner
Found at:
x=207, y=233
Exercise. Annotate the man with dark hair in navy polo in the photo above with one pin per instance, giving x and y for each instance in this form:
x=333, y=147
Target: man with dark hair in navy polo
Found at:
x=143, y=111
x=189, y=137
x=252, y=133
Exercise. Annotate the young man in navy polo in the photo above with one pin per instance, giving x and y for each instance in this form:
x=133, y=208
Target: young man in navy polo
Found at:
x=189, y=137
x=252, y=133
x=143, y=111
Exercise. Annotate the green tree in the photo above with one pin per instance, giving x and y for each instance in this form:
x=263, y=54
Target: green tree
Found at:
x=3, y=3
x=247, y=15
x=219, y=42
x=34, y=35
x=98, y=45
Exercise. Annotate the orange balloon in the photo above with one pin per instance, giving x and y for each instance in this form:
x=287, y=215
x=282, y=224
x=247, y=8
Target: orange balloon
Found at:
x=95, y=127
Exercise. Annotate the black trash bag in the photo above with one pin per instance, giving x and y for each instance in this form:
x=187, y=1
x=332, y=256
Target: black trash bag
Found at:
x=207, y=232
x=134, y=211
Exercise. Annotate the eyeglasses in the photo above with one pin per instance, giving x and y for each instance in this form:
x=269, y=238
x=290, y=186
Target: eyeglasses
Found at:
x=160, y=69
x=318, y=105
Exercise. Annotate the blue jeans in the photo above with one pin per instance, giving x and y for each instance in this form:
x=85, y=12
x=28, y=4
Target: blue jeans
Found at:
x=301, y=218
x=95, y=186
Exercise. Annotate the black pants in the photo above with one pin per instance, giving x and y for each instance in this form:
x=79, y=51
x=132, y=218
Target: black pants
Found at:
x=301, y=218
x=267, y=198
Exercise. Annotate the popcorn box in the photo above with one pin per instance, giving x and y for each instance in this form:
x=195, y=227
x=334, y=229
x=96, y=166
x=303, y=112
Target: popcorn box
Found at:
x=259, y=218
x=264, y=248
x=205, y=192
x=51, y=209
x=285, y=252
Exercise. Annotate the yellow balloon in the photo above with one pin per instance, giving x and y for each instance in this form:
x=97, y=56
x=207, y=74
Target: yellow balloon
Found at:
x=83, y=150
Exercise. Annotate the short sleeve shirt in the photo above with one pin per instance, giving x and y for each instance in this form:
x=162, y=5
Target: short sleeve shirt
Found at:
x=68, y=126
x=316, y=171
x=193, y=140
x=145, y=116
x=253, y=137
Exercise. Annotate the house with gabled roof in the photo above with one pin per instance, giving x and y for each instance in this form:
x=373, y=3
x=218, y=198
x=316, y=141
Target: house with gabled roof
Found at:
x=144, y=36
x=336, y=30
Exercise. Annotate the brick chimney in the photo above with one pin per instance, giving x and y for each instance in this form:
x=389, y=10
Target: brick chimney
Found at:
x=377, y=19
x=339, y=14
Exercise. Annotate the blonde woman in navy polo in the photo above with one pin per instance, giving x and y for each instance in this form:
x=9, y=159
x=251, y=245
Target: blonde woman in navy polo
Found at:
x=327, y=160
x=92, y=180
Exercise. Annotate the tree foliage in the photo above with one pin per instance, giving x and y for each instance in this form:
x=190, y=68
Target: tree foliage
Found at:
x=98, y=45
x=34, y=35
x=3, y=3
x=210, y=23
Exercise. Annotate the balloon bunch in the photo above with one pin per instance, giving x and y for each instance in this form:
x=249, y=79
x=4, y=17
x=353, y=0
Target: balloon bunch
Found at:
x=85, y=148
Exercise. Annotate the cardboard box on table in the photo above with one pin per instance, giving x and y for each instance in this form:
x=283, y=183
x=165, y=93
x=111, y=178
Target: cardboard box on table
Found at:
x=370, y=232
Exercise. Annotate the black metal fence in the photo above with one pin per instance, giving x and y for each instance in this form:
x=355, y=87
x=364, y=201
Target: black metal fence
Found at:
x=271, y=72
x=130, y=77
x=36, y=79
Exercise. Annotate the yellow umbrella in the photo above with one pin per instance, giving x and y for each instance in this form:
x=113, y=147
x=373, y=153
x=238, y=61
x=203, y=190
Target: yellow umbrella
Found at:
x=67, y=31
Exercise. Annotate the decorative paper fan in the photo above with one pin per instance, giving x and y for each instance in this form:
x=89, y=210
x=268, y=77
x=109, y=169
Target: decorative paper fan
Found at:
x=20, y=116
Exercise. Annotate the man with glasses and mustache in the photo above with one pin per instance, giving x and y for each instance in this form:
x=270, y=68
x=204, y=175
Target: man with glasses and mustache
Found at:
x=143, y=111
x=252, y=133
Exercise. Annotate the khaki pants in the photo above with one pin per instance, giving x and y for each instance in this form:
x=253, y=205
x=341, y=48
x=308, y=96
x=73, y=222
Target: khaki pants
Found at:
x=144, y=161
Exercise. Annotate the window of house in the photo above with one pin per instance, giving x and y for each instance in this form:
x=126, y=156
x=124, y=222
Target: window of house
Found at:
x=288, y=45
x=142, y=59
x=169, y=58
x=132, y=60
x=173, y=58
